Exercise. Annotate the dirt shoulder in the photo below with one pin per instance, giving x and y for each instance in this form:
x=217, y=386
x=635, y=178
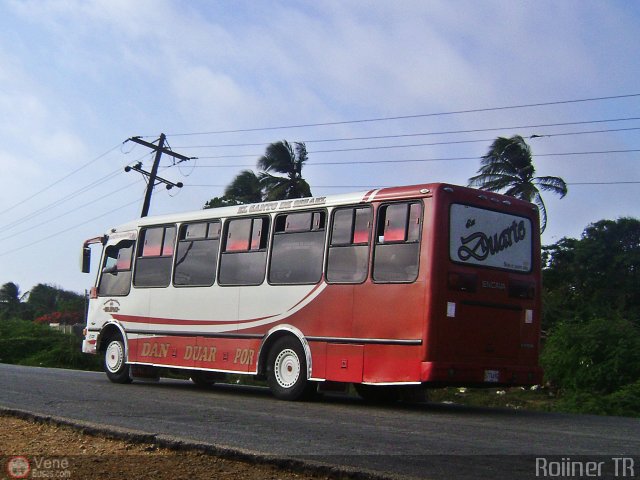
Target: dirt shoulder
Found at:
x=55, y=451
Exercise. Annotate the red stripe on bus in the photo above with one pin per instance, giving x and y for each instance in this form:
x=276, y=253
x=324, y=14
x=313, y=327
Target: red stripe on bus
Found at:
x=177, y=321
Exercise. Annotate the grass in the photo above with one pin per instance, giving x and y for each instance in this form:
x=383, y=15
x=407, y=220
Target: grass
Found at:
x=536, y=398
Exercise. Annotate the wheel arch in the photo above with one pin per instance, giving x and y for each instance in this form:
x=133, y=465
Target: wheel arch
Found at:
x=110, y=330
x=272, y=336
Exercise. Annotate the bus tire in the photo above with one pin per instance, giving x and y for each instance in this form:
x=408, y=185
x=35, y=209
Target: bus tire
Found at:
x=114, y=361
x=287, y=369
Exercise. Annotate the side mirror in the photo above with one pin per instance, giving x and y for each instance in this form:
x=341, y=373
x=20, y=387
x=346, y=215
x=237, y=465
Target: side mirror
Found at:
x=86, y=260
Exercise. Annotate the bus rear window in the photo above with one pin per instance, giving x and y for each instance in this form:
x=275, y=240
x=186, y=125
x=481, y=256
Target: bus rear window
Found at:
x=491, y=239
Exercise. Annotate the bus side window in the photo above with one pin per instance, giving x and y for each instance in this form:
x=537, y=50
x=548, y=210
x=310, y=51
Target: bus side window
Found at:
x=348, y=256
x=155, y=256
x=115, y=279
x=244, y=255
x=297, y=248
x=196, y=260
x=397, y=250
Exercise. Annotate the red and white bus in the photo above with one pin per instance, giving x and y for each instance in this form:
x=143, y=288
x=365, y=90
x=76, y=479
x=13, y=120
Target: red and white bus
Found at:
x=429, y=284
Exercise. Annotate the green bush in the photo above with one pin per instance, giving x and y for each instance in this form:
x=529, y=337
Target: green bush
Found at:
x=27, y=343
x=595, y=365
x=623, y=402
x=598, y=356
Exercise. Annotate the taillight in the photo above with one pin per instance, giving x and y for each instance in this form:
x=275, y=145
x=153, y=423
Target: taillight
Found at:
x=464, y=282
x=94, y=293
x=522, y=289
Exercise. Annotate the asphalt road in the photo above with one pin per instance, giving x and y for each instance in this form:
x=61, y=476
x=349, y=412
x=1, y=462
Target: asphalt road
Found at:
x=422, y=440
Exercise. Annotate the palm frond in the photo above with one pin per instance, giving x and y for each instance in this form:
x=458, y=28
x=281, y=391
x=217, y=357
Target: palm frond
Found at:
x=278, y=157
x=542, y=209
x=523, y=190
x=552, y=184
x=493, y=182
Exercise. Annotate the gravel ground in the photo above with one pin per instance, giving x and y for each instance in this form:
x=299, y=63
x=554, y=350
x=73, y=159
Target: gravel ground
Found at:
x=54, y=451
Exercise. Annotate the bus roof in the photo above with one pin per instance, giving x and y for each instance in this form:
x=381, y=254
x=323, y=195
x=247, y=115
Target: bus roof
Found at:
x=380, y=194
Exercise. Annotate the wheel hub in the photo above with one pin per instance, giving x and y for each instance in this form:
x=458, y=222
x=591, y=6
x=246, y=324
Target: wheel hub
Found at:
x=114, y=357
x=287, y=368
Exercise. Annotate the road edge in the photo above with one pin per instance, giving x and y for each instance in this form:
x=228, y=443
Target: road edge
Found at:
x=292, y=464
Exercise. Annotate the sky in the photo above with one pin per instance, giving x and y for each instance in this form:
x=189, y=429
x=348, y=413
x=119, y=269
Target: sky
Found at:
x=434, y=78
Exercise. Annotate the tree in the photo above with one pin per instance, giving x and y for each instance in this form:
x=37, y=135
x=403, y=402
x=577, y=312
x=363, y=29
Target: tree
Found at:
x=249, y=187
x=508, y=168
x=219, y=202
x=245, y=188
x=591, y=310
x=598, y=274
x=45, y=299
x=10, y=300
x=287, y=159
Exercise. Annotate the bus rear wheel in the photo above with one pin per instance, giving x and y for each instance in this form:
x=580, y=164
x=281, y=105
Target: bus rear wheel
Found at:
x=287, y=369
x=114, y=361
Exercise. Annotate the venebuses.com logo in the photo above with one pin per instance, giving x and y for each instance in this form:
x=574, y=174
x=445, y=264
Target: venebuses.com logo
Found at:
x=18, y=467
x=38, y=467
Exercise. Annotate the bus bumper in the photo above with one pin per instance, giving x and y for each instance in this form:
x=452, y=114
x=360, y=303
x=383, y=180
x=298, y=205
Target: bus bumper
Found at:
x=461, y=374
x=89, y=343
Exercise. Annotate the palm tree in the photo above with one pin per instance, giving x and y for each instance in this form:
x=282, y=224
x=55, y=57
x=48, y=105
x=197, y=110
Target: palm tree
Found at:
x=249, y=187
x=287, y=159
x=508, y=168
x=244, y=188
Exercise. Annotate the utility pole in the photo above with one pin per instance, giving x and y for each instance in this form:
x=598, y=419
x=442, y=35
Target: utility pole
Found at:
x=153, y=175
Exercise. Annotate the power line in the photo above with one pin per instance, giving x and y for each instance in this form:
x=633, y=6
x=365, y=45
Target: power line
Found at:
x=83, y=223
x=440, y=159
x=60, y=180
x=80, y=191
x=66, y=198
x=60, y=201
x=414, y=145
x=621, y=182
x=424, y=134
x=383, y=147
x=604, y=183
x=69, y=212
x=405, y=117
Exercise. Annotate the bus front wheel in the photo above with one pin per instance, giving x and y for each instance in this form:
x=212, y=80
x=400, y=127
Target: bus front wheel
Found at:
x=287, y=369
x=114, y=361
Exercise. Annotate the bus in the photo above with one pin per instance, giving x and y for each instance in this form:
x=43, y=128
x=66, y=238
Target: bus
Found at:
x=421, y=285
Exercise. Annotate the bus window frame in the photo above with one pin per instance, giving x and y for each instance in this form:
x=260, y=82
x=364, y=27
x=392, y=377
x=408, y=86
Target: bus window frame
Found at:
x=206, y=238
x=140, y=249
x=369, y=243
x=223, y=245
x=419, y=241
x=312, y=229
x=102, y=270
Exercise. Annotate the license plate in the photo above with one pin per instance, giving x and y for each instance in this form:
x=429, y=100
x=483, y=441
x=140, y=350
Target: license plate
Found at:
x=492, y=376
